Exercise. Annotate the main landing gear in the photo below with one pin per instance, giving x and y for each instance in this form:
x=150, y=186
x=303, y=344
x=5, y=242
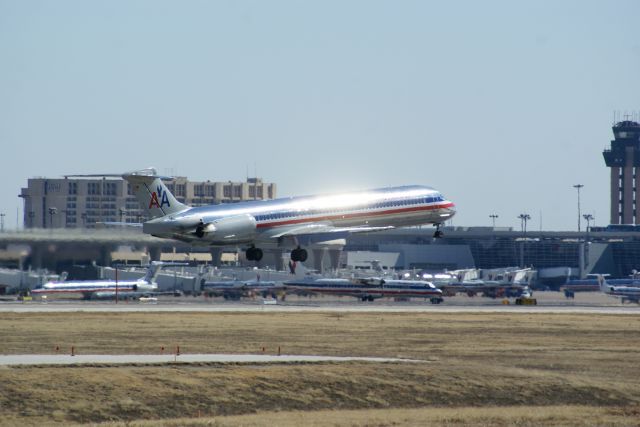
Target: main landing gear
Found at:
x=299, y=254
x=254, y=254
x=438, y=234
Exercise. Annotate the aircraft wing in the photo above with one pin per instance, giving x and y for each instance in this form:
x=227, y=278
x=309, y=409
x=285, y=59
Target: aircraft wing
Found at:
x=120, y=224
x=317, y=233
x=316, y=229
x=307, y=229
x=623, y=298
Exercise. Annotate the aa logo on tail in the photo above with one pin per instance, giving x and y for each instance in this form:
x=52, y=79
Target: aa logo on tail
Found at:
x=159, y=203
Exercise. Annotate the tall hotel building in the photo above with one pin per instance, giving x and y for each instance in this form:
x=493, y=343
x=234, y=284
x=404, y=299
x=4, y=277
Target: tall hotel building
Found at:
x=623, y=157
x=83, y=202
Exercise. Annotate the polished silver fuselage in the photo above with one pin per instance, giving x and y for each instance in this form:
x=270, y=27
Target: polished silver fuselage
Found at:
x=264, y=220
x=87, y=288
x=360, y=288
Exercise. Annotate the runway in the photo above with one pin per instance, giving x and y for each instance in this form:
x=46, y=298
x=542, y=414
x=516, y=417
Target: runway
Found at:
x=257, y=307
x=111, y=359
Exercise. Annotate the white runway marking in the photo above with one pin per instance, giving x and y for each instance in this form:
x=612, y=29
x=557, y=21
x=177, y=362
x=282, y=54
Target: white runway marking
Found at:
x=81, y=359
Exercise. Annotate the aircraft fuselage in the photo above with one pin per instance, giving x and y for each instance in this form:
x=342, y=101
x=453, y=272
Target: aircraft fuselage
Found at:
x=257, y=221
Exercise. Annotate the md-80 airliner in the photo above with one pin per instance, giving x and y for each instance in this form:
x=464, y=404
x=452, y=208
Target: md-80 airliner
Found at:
x=625, y=293
x=289, y=222
x=89, y=289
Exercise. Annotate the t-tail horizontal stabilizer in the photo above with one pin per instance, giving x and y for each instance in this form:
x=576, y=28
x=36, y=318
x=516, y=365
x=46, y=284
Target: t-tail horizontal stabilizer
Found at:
x=153, y=194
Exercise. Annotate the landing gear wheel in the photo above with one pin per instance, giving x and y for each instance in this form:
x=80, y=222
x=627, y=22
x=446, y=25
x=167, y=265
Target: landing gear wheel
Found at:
x=299, y=255
x=438, y=234
x=254, y=254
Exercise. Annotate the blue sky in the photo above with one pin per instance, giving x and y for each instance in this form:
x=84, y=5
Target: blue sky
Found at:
x=502, y=106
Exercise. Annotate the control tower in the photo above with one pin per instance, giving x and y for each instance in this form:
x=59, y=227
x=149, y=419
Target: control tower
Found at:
x=624, y=160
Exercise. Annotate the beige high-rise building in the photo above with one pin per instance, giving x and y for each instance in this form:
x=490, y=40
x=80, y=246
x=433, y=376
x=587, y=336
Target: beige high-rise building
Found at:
x=84, y=202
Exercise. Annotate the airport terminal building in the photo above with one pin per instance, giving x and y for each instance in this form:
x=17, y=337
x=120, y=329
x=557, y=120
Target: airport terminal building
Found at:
x=553, y=254
x=61, y=205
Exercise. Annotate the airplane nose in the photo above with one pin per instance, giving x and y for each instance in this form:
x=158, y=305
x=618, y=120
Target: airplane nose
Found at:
x=450, y=210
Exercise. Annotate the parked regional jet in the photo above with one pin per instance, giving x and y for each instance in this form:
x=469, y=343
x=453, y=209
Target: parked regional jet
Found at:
x=288, y=222
x=89, y=289
x=625, y=293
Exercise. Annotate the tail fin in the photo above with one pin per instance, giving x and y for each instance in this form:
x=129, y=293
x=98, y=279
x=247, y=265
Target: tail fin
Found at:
x=152, y=194
x=604, y=286
x=152, y=272
x=155, y=266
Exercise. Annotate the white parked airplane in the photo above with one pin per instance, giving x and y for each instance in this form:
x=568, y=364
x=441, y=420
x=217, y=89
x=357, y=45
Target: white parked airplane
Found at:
x=105, y=288
x=625, y=293
x=288, y=222
x=368, y=289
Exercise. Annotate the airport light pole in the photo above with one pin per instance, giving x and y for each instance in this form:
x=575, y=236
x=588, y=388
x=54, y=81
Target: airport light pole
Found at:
x=524, y=217
x=588, y=218
x=2, y=215
x=578, y=187
x=52, y=212
x=493, y=218
x=585, y=245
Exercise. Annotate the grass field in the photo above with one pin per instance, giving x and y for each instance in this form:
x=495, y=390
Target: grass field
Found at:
x=480, y=369
x=535, y=416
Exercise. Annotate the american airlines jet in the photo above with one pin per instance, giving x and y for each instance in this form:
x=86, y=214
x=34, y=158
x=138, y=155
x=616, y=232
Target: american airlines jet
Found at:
x=625, y=293
x=288, y=222
x=368, y=289
x=89, y=289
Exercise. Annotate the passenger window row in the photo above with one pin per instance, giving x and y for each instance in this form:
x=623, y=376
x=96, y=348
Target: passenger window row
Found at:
x=380, y=205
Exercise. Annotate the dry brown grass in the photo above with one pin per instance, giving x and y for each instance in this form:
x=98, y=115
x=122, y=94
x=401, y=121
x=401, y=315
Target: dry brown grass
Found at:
x=587, y=364
x=536, y=416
